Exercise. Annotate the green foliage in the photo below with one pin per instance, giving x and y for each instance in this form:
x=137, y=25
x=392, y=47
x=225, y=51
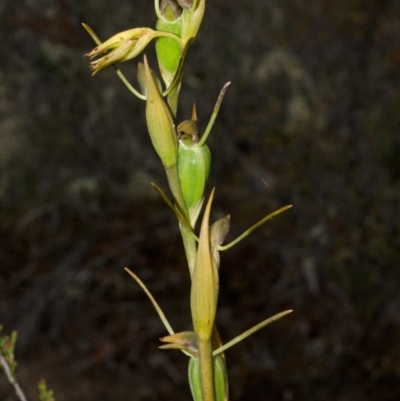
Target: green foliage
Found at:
x=44, y=393
x=7, y=349
x=9, y=365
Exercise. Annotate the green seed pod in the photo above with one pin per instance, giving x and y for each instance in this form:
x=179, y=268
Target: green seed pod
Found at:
x=220, y=378
x=193, y=164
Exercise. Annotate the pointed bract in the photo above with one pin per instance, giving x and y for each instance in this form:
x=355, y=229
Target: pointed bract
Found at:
x=159, y=122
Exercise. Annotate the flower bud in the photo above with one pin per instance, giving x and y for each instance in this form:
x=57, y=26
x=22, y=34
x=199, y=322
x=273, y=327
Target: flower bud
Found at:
x=159, y=122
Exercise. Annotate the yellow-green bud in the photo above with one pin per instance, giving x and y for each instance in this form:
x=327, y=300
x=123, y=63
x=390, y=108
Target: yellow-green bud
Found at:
x=159, y=122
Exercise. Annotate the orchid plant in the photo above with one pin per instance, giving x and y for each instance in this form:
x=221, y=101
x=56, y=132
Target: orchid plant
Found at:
x=186, y=158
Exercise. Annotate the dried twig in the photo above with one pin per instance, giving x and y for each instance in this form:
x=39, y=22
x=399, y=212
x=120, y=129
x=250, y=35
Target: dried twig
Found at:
x=18, y=390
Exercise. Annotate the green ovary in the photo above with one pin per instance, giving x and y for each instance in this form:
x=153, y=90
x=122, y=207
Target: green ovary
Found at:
x=193, y=170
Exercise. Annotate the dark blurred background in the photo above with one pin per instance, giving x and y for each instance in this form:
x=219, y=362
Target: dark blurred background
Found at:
x=311, y=118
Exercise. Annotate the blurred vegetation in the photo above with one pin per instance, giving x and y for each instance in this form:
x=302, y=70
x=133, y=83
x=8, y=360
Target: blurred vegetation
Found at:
x=311, y=118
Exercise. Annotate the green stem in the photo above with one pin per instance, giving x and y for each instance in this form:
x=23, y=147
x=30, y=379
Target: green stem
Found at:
x=189, y=242
x=7, y=369
x=206, y=370
x=190, y=248
x=173, y=99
